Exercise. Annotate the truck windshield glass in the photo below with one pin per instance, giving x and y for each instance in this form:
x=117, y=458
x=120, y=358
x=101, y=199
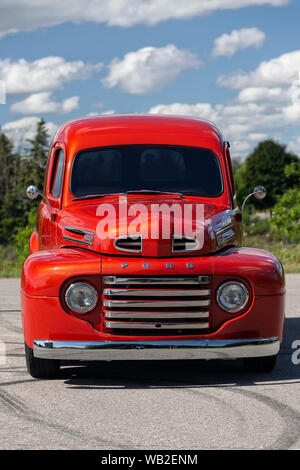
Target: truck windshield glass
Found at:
x=146, y=167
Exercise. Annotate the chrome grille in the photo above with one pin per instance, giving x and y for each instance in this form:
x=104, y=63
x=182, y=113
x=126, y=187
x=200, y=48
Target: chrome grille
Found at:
x=168, y=305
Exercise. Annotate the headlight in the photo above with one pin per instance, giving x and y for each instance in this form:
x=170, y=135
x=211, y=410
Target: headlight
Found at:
x=81, y=297
x=232, y=296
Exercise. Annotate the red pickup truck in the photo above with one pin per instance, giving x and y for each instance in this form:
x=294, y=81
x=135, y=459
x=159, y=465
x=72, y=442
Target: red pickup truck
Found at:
x=138, y=253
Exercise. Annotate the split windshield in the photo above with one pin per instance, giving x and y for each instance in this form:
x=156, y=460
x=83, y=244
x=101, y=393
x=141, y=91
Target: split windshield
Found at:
x=108, y=170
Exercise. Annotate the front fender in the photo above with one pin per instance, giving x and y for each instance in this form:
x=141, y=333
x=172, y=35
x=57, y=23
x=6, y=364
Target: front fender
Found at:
x=261, y=268
x=45, y=271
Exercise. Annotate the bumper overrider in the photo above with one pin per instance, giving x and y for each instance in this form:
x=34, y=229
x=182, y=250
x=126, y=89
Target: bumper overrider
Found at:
x=156, y=350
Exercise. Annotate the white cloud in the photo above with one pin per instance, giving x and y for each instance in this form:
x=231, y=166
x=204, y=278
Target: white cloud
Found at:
x=109, y=112
x=292, y=113
x=26, y=15
x=149, y=69
x=294, y=146
x=263, y=94
x=42, y=103
x=267, y=103
x=257, y=136
x=274, y=84
x=253, y=115
x=45, y=74
x=25, y=128
x=204, y=110
x=243, y=124
x=278, y=72
x=228, y=44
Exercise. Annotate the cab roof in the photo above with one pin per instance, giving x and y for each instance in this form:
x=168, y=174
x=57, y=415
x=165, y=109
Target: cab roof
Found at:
x=98, y=131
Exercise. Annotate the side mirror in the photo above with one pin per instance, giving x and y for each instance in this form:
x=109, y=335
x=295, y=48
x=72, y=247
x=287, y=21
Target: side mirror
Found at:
x=259, y=192
x=32, y=192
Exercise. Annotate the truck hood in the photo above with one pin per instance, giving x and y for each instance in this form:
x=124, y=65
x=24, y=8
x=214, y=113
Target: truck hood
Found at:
x=151, y=226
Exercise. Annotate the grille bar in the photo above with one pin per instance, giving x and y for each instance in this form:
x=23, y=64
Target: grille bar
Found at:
x=163, y=315
x=155, y=326
x=154, y=303
x=156, y=280
x=155, y=293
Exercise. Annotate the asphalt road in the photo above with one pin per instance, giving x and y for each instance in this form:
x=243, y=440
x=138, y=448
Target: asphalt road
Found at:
x=175, y=405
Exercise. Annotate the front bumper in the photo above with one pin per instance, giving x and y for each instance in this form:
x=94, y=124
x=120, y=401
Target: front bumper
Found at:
x=155, y=350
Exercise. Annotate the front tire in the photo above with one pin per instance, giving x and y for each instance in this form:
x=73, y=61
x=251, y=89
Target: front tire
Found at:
x=260, y=364
x=41, y=368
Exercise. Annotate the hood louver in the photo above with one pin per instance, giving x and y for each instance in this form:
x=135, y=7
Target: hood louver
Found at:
x=129, y=244
x=135, y=245
x=184, y=243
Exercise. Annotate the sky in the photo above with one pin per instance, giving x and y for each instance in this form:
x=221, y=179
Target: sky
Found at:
x=233, y=62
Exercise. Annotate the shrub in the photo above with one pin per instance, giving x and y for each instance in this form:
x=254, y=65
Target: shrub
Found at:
x=22, y=237
x=285, y=219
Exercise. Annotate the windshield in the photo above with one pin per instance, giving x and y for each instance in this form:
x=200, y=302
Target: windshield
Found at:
x=185, y=170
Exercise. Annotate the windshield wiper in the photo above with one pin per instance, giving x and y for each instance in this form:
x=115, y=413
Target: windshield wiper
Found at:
x=131, y=191
x=192, y=193
x=152, y=191
x=95, y=196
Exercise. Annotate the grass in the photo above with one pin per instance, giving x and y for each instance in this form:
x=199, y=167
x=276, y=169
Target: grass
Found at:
x=9, y=267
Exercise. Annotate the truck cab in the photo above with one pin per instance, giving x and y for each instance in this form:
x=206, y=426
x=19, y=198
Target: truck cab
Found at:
x=138, y=251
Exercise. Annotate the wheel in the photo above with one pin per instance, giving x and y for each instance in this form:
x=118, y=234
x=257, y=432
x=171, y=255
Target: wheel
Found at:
x=260, y=364
x=41, y=368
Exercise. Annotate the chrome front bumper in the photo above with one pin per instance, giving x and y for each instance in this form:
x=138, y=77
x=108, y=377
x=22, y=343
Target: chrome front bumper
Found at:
x=155, y=350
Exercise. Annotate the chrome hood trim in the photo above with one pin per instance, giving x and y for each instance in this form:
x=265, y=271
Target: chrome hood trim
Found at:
x=88, y=236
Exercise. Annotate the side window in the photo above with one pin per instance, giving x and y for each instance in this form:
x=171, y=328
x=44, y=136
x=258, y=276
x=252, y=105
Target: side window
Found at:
x=57, y=174
x=230, y=169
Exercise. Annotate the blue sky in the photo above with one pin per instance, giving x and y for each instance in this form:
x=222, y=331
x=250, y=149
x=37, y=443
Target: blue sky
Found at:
x=234, y=65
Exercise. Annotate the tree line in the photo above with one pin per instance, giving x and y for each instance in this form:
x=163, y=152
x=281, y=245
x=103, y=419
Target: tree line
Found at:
x=272, y=166
x=17, y=171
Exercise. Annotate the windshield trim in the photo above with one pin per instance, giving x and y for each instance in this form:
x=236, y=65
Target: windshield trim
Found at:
x=107, y=147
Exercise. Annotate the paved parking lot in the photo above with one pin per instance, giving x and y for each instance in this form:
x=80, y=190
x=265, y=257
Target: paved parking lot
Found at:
x=177, y=405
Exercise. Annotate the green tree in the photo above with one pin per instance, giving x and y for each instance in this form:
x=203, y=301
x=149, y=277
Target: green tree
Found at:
x=292, y=173
x=9, y=182
x=22, y=236
x=266, y=166
x=285, y=219
x=16, y=173
x=240, y=183
x=35, y=159
x=236, y=162
x=32, y=169
x=6, y=167
x=286, y=212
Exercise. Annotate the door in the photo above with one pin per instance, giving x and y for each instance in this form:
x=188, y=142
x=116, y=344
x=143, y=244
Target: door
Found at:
x=53, y=192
